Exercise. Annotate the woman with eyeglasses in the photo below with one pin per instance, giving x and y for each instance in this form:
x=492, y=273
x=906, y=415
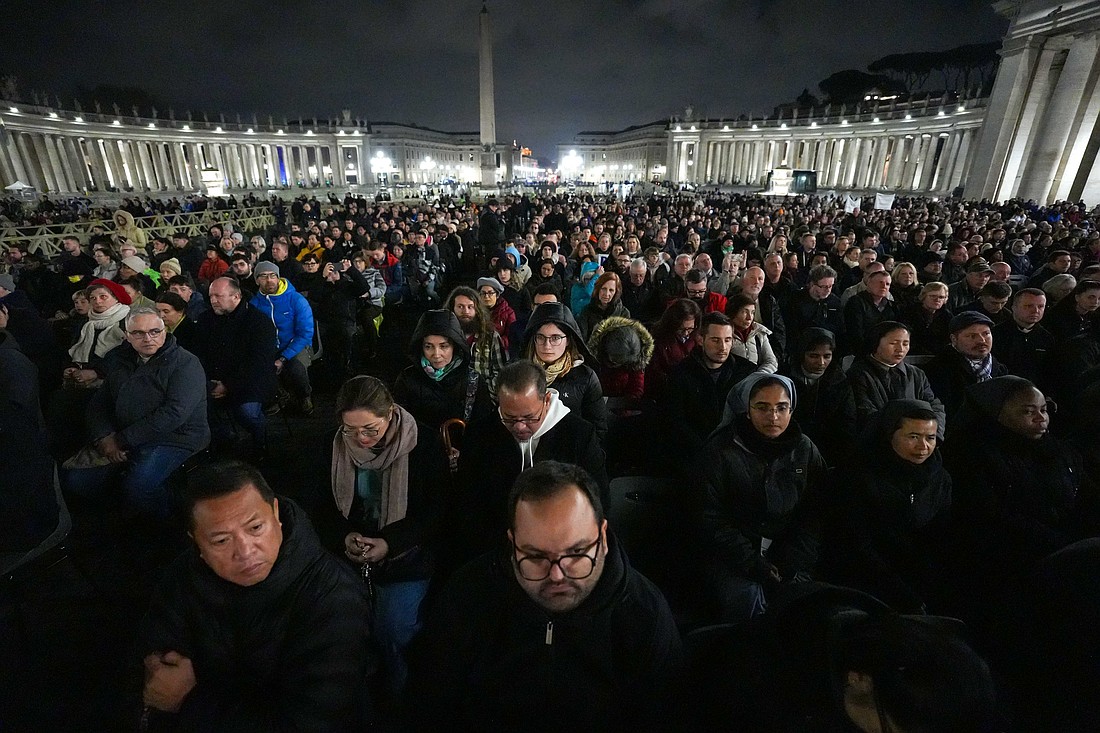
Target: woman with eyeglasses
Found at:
x=761, y=480
x=385, y=473
x=553, y=341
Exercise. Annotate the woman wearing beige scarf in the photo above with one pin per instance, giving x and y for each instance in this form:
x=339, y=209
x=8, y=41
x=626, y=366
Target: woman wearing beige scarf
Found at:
x=385, y=477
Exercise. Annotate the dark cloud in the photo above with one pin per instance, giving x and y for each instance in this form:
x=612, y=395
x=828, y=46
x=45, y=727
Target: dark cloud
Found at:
x=560, y=67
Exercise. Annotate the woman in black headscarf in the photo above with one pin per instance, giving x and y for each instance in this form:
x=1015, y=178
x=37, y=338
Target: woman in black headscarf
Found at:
x=891, y=527
x=826, y=409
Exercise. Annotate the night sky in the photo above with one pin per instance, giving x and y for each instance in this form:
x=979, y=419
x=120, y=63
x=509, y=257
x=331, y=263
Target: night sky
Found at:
x=561, y=66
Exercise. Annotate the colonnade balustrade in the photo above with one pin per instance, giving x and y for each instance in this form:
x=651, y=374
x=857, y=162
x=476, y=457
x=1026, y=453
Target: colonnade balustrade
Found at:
x=47, y=238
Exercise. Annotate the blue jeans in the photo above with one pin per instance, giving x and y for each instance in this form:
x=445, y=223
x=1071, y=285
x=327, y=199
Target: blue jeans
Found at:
x=396, y=622
x=249, y=414
x=143, y=477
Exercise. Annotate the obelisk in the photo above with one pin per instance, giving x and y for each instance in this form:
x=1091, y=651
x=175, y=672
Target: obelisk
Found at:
x=488, y=108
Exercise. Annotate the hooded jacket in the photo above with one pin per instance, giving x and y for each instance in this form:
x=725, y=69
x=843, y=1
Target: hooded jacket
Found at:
x=492, y=459
x=432, y=401
x=580, y=388
x=748, y=496
x=290, y=651
x=624, y=347
x=292, y=316
x=489, y=657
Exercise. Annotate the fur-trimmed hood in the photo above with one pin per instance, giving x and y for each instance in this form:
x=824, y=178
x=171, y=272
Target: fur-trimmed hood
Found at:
x=621, y=342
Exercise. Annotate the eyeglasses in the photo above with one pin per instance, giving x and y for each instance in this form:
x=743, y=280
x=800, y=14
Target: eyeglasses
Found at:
x=781, y=409
x=695, y=293
x=575, y=566
x=152, y=333
x=512, y=421
x=488, y=293
x=553, y=339
x=366, y=431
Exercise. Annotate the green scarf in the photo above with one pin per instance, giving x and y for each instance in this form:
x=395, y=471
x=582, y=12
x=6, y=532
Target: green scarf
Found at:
x=438, y=374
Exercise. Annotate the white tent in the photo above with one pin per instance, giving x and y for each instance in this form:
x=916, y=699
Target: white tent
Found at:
x=17, y=186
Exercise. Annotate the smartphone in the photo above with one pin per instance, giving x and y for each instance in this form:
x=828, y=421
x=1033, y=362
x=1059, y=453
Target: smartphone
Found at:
x=602, y=258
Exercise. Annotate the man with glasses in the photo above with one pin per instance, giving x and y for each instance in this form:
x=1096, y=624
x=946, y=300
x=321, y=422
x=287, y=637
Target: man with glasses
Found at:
x=698, y=289
x=147, y=418
x=815, y=306
x=556, y=617
x=532, y=425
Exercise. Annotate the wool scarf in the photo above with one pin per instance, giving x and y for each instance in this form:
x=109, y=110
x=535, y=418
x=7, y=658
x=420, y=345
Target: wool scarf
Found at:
x=390, y=457
x=559, y=368
x=109, y=335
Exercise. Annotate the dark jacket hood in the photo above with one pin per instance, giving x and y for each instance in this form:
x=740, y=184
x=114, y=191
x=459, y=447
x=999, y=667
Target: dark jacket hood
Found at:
x=561, y=317
x=439, y=323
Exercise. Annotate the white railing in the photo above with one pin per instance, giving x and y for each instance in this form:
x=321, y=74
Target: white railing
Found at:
x=47, y=237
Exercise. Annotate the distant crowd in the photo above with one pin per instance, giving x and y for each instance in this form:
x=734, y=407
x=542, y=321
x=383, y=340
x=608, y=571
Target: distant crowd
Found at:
x=569, y=431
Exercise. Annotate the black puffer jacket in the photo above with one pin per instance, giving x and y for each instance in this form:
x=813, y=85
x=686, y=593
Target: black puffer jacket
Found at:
x=287, y=653
x=748, y=496
x=489, y=657
x=580, y=388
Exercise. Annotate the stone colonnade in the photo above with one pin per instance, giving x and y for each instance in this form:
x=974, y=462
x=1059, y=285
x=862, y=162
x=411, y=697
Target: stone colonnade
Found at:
x=930, y=153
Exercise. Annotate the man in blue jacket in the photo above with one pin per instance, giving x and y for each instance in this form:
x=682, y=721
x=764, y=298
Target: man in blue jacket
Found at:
x=293, y=319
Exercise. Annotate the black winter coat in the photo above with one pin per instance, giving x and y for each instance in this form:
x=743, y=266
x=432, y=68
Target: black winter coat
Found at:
x=861, y=314
x=432, y=403
x=239, y=350
x=1018, y=503
x=873, y=385
x=489, y=658
x=949, y=375
x=580, y=390
x=747, y=497
x=804, y=312
x=826, y=411
x=891, y=527
x=490, y=464
x=287, y=653
x=692, y=401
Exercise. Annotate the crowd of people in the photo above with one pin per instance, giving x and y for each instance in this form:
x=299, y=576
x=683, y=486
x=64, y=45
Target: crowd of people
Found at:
x=876, y=423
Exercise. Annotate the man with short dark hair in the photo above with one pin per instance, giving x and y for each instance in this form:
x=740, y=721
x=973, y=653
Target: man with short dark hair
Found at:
x=815, y=306
x=560, y=616
x=256, y=627
x=196, y=303
x=696, y=391
x=991, y=302
x=697, y=288
x=532, y=424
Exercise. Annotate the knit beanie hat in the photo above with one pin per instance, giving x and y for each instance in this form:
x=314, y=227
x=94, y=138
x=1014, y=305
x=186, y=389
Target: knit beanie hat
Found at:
x=172, y=265
x=116, y=290
x=265, y=268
